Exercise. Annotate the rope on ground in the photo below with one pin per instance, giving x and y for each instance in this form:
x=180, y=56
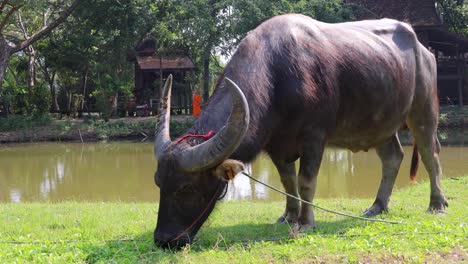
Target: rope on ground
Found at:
x=71, y=241
x=319, y=207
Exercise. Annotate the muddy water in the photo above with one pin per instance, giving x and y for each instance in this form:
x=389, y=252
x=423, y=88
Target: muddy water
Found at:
x=124, y=172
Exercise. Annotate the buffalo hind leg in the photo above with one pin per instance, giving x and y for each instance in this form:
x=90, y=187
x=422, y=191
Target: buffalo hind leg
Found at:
x=309, y=167
x=425, y=136
x=391, y=155
x=288, y=176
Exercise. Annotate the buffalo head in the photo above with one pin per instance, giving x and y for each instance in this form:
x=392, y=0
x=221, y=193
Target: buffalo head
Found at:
x=192, y=177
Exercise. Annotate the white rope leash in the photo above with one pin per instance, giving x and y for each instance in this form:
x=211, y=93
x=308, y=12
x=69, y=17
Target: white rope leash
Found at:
x=319, y=207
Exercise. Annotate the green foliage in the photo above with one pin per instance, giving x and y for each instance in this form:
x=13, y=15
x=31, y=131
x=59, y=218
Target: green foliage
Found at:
x=19, y=122
x=39, y=101
x=455, y=15
x=93, y=46
x=87, y=55
x=108, y=88
x=453, y=116
x=33, y=102
x=246, y=15
x=15, y=88
x=208, y=28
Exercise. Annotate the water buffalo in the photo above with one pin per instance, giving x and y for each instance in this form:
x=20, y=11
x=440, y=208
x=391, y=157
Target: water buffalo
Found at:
x=294, y=86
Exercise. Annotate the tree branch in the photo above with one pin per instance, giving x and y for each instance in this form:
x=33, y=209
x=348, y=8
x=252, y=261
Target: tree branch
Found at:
x=45, y=17
x=7, y=16
x=4, y=3
x=21, y=24
x=46, y=30
x=45, y=71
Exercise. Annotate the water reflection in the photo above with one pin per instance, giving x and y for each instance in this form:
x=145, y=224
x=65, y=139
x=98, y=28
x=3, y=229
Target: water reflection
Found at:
x=124, y=171
x=97, y=172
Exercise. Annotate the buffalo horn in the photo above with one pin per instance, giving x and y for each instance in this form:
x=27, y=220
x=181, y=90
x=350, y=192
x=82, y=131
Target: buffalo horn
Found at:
x=163, y=139
x=220, y=147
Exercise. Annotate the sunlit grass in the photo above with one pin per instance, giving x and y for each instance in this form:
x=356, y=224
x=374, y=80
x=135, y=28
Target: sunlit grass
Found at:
x=239, y=232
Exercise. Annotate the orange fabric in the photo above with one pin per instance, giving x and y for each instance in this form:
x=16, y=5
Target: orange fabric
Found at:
x=196, y=105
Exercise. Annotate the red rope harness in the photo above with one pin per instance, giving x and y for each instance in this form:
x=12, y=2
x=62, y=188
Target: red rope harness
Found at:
x=206, y=136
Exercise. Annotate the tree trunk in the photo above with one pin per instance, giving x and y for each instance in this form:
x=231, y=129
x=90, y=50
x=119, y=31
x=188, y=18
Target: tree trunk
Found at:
x=115, y=104
x=31, y=75
x=53, y=93
x=206, y=77
x=50, y=79
x=85, y=84
x=69, y=101
x=5, y=53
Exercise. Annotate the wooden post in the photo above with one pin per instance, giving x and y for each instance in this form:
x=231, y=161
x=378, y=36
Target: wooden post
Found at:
x=460, y=77
x=460, y=83
x=161, y=79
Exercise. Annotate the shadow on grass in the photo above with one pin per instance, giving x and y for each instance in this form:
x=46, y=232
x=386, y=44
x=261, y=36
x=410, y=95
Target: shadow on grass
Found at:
x=142, y=248
x=224, y=237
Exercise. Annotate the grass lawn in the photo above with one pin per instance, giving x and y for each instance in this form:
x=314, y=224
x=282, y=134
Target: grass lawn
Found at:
x=240, y=232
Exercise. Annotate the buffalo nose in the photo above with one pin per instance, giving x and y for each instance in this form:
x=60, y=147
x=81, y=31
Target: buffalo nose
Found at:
x=166, y=241
x=162, y=239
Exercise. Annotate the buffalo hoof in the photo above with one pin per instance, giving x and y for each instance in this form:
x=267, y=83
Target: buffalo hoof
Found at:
x=306, y=224
x=374, y=210
x=437, y=206
x=287, y=218
x=297, y=229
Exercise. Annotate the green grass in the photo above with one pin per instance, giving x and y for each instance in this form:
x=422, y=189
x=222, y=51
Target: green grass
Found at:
x=240, y=232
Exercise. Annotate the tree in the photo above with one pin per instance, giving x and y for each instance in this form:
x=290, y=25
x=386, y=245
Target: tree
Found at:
x=198, y=24
x=86, y=58
x=215, y=27
x=88, y=54
x=455, y=15
x=11, y=42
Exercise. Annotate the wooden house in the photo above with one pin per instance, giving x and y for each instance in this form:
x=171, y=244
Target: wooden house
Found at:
x=151, y=71
x=451, y=50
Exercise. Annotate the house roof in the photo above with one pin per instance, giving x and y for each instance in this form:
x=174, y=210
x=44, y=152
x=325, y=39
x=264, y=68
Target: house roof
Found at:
x=415, y=12
x=156, y=63
x=448, y=42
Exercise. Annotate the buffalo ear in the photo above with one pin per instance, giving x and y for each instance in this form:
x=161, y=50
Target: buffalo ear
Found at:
x=228, y=169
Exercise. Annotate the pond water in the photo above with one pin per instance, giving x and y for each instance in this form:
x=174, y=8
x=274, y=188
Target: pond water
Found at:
x=124, y=172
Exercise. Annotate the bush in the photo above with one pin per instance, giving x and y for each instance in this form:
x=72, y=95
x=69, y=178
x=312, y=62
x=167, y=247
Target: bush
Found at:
x=23, y=122
x=40, y=101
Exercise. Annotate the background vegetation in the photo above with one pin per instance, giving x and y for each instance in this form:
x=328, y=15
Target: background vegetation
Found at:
x=85, y=57
x=57, y=54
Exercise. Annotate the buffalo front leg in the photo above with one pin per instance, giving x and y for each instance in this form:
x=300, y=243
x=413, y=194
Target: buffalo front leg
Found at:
x=391, y=155
x=310, y=164
x=288, y=176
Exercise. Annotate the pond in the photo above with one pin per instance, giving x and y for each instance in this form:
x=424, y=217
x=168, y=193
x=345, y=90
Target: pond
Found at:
x=123, y=171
